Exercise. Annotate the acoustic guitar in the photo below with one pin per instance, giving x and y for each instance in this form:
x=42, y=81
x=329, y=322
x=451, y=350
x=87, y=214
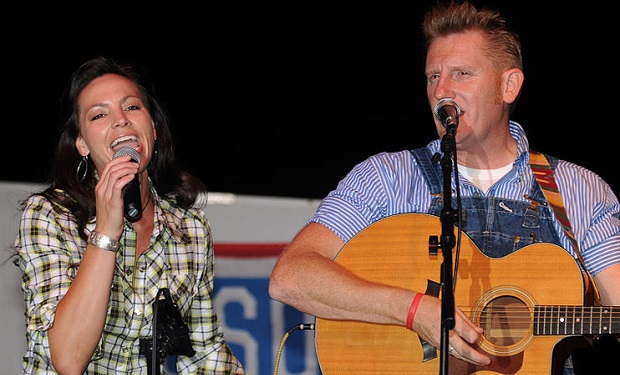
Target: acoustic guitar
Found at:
x=528, y=303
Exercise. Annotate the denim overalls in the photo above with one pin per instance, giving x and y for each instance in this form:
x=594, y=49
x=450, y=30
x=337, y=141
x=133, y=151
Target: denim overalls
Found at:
x=498, y=226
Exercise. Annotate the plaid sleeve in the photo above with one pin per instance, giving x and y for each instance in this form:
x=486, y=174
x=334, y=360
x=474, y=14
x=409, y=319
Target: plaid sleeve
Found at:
x=48, y=260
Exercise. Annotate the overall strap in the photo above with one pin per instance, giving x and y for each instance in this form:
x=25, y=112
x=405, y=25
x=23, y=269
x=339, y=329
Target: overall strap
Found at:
x=424, y=157
x=544, y=175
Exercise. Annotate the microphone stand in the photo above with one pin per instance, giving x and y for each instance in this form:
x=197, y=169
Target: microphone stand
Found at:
x=447, y=243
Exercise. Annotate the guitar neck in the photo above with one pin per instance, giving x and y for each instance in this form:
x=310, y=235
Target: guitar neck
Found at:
x=576, y=320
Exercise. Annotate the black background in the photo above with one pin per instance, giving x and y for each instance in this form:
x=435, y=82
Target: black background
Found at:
x=283, y=100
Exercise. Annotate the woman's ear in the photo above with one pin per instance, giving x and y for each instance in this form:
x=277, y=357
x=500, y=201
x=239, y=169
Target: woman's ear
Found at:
x=81, y=146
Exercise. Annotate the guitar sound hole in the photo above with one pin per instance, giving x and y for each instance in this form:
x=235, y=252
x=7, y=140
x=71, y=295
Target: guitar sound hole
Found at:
x=506, y=321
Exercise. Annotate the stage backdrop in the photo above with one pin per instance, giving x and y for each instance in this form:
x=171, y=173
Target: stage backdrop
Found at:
x=249, y=233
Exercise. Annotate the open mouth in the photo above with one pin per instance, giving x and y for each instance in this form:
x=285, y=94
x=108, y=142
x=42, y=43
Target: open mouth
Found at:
x=130, y=141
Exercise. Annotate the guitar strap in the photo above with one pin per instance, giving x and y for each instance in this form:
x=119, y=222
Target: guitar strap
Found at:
x=544, y=175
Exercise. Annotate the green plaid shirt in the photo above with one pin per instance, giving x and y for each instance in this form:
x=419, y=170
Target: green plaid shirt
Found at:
x=180, y=257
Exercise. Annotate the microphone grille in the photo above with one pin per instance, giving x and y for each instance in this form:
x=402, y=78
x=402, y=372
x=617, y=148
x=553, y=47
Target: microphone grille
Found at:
x=443, y=102
x=124, y=151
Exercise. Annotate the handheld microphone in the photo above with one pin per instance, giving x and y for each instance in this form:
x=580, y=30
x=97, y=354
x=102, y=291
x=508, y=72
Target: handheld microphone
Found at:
x=448, y=112
x=131, y=192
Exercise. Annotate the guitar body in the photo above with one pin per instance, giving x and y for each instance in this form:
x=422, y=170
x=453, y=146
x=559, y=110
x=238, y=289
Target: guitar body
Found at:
x=395, y=251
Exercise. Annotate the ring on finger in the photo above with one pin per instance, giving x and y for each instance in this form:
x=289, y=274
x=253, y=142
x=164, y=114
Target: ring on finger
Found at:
x=451, y=349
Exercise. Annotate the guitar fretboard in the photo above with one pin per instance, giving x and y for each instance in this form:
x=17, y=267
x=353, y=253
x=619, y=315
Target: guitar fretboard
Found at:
x=576, y=320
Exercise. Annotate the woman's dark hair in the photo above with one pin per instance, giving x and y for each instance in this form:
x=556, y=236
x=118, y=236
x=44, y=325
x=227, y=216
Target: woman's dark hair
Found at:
x=68, y=190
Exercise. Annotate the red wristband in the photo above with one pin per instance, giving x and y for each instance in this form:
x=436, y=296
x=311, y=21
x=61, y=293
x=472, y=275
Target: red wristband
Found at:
x=412, y=310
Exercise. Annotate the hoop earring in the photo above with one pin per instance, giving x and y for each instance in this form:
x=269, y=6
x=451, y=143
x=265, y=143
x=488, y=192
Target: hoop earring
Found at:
x=82, y=165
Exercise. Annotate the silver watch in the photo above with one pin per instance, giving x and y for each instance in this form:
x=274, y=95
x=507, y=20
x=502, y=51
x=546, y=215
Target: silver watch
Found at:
x=103, y=242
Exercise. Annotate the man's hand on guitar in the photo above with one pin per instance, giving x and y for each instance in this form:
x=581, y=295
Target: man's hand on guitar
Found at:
x=427, y=324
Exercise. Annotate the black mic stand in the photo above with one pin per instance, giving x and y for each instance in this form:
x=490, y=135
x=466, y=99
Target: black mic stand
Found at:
x=447, y=243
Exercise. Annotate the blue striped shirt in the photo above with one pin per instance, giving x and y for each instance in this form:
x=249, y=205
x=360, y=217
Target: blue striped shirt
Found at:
x=390, y=183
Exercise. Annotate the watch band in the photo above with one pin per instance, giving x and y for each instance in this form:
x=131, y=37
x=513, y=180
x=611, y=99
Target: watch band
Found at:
x=103, y=242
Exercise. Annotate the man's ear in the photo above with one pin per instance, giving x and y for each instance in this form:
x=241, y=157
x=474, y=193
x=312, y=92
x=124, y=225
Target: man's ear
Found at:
x=512, y=81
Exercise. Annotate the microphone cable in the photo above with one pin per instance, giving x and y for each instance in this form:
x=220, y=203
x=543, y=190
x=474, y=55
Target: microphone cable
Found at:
x=300, y=326
x=459, y=213
x=154, y=359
